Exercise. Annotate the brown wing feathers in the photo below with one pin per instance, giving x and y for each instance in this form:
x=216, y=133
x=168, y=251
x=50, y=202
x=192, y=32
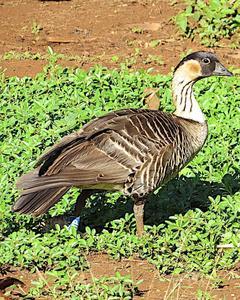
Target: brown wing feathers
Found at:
x=127, y=148
x=37, y=203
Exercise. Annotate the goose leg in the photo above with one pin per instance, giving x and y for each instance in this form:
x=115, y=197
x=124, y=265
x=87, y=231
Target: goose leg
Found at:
x=80, y=204
x=74, y=220
x=81, y=200
x=138, y=209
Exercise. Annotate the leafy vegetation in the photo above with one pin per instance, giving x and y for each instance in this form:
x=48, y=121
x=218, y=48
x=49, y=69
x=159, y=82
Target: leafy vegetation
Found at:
x=50, y=56
x=187, y=219
x=67, y=286
x=210, y=21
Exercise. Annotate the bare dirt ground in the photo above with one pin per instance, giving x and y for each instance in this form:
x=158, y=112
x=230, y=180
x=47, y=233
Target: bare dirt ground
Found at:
x=108, y=32
x=153, y=285
x=96, y=31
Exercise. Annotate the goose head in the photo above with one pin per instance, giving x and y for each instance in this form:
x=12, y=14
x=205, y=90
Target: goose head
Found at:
x=192, y=68
x=199, y=65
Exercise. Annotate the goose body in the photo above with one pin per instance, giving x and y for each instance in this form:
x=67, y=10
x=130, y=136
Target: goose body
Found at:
x=131, y=150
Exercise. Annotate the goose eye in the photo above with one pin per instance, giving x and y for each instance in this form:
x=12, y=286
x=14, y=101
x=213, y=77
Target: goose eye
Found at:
x=206, y=60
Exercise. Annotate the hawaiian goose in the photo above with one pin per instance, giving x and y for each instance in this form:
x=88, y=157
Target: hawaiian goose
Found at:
x=132, y=150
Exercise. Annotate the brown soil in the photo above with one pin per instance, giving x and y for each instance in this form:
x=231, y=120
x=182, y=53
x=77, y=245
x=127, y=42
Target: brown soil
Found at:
x=96, y=31
x=153, y=286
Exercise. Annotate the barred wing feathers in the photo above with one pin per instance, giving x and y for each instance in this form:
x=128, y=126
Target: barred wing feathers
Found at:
x=128, y=150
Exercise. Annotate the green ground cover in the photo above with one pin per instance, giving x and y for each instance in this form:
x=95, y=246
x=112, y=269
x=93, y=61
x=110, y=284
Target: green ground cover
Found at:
x=211, y=22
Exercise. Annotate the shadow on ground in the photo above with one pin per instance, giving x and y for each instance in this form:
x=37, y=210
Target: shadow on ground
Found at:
x=177, y=197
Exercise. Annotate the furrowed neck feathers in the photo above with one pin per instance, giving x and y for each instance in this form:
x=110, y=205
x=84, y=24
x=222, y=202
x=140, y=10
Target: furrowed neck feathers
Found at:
x=182, y=85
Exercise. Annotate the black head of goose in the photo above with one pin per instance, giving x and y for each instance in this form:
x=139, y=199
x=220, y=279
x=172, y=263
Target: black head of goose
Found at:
x=131, y=150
